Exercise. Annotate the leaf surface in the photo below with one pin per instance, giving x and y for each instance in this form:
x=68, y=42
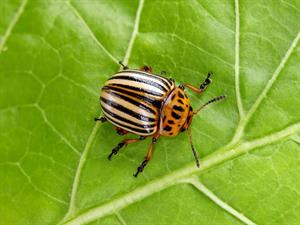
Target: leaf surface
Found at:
x=56, y=55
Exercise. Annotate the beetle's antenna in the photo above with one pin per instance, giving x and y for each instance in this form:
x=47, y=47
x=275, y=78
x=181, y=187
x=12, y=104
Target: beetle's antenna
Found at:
x=209, y=102
x=193, y=149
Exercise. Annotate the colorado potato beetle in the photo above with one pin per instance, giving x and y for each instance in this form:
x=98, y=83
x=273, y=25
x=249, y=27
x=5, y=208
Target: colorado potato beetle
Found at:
x=147, y=104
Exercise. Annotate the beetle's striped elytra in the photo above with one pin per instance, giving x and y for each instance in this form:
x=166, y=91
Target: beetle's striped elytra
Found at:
x=132, y=100
x=148, y=104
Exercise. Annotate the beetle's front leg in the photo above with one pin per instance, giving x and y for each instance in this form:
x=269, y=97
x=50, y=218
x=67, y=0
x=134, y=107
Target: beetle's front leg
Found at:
x=123, y=143
x=202, y=86
x=147, y=158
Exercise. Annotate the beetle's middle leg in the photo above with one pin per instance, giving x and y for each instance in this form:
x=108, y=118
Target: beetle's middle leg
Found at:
x=147, y=158
x=123, y=143
x=121, y=131
x=202, y=86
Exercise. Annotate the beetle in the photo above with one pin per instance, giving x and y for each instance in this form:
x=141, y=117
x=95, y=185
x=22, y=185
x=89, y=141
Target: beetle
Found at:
x=149, y=105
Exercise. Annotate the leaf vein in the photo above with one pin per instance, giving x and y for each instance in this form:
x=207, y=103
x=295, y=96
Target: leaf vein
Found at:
x=220, y=156
x=53, y=128
x=75, y=11
x=240, y=129
x=176, y=36
x=120, y=218
x=202, y=188
x=92, y=92
x=81, y=163
x=212, y=16
x=12, y=24
x=274, y=77
x=37, y=188
x=237, y=61
x=134, y=32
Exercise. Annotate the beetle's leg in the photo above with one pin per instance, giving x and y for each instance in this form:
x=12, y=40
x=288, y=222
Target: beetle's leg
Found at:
x=101, y=119
x=146, y=69
x=124, y=143
x=202, y=86
x=147, y=158
x=124, y=67
x=120, y=131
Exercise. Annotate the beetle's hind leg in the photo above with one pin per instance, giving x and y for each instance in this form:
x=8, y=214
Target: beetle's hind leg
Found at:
x=147, y=158
x=123, y=143
x=101, y=119
x=124, y=67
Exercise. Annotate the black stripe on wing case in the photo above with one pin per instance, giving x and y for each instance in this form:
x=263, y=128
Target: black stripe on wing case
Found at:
x=150, y=92
x=166, y=81
x=132, y=101
x=131, y=128
x=154, y=102
x=126, y=120
x=127, y=111
x=140, y=80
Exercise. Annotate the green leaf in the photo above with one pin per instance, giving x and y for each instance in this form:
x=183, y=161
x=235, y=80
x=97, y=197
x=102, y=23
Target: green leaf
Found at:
x=56, y=55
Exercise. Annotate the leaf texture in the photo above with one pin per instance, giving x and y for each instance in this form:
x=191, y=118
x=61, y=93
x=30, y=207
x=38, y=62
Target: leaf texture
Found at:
x=56, y=55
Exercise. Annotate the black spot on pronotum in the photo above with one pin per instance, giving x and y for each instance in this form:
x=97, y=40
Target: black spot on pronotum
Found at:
x=171, y=133
x=180, y=101
x=172, y=98
x=178, y=108
x=164, y=118
x=167, y=128
x=180, y=95
x=171, y=122
x=175, y=115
